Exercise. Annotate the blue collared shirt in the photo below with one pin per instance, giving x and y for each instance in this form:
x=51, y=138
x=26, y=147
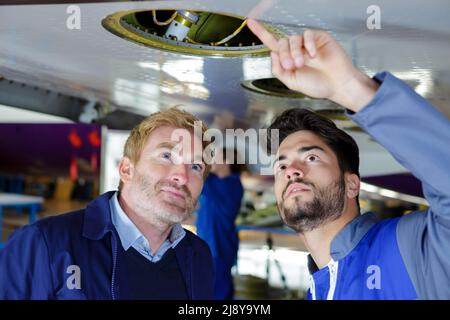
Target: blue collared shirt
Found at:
x=130, y=236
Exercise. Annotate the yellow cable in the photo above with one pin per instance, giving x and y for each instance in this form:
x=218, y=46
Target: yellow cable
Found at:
x=231, y=36
x=192, y=41
x=163, y=23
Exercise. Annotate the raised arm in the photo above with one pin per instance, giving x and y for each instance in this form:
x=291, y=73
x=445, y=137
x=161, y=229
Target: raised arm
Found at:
x=412, y=130
x=316, y=65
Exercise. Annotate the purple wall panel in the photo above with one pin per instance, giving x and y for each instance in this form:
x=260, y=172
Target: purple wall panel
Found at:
x=404, y=183
x=28, y=148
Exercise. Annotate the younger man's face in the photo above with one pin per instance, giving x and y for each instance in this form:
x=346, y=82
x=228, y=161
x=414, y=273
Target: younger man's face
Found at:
x=309, y=186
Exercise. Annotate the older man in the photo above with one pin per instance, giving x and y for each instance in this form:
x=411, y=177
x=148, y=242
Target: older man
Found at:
x=127, y=244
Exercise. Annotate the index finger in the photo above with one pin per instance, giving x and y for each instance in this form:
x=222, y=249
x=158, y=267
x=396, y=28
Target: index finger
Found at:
x=265, y=36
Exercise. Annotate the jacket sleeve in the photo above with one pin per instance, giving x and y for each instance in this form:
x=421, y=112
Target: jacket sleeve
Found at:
x=24, y=266
x=418, y=136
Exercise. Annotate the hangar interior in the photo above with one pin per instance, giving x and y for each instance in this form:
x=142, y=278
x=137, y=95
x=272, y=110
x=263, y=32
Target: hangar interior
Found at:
x=70, y=91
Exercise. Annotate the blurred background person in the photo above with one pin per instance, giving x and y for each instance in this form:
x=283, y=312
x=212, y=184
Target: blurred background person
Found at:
x=220, y=203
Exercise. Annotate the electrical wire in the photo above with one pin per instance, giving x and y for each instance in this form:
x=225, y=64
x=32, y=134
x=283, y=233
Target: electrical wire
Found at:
x=192, y=41
x=163, y=23
x=231, y=36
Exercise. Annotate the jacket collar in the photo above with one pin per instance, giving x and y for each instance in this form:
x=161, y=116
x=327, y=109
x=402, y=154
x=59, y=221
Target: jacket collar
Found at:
x=347, y=239
x=97, y=218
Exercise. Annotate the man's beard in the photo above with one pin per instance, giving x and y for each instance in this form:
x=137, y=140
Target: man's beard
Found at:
x=163, y=210
x=327, y=205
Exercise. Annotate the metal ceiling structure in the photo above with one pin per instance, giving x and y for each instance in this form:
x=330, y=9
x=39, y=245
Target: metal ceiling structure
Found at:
x=127, y=81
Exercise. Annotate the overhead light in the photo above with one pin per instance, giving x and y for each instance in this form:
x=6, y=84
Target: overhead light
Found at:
x=370, y=188
x=125, y=94
x=422, y=77
x=150, y=65
x=256, y=68
x=185, y=70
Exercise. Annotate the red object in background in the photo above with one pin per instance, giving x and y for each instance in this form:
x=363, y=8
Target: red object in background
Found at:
x=73, y=168
x=76, y=142
x=94, y=138
x=75, y=139
x=95, y=141
x=94, y=162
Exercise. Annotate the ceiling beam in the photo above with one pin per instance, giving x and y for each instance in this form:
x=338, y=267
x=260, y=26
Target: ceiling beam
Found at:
x=20, y=95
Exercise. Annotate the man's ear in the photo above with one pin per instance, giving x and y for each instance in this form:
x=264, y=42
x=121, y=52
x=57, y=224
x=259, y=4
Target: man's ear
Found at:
x=126, y=169
x=352, y=185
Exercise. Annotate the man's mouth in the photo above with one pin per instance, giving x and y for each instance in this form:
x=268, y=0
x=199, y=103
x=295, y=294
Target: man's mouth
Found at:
x=174, y=192
x=295, y=188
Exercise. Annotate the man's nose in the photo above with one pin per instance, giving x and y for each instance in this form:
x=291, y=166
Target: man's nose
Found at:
x=293, y=172
x=179, y=174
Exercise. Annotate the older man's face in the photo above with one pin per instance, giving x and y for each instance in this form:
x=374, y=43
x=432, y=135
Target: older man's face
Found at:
x=168, y=177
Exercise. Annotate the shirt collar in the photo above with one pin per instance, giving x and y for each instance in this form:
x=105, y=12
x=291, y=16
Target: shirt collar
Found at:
x=129, y=234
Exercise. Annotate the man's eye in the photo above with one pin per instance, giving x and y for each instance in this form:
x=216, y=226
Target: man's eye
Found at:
x=166, y=155
x=281, y=167
x=313, y=158
x=197, y=167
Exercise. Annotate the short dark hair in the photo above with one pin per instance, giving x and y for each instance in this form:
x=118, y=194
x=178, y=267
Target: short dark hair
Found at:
x=297, y=119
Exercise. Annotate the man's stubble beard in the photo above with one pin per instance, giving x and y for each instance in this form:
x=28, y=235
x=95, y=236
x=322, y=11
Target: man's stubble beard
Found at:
x=153, y=207
x=327, y=205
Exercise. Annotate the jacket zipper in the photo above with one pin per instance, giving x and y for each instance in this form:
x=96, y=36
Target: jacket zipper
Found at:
x=333, y=267
x=312, y=287
x=113, y=295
